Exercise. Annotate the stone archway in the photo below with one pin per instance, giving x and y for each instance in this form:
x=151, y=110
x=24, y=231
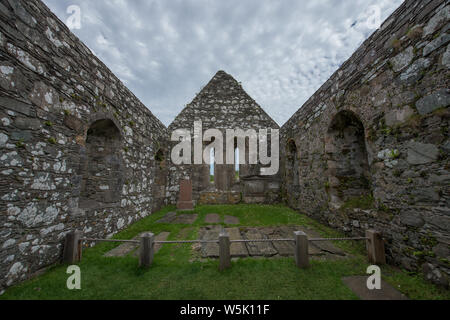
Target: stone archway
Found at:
x=101, y=166
x=347, y=159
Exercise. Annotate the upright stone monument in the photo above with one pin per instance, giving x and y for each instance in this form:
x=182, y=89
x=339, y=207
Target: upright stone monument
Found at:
x=185, y=198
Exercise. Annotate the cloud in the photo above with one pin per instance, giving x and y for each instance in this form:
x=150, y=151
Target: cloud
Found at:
x=281, y=51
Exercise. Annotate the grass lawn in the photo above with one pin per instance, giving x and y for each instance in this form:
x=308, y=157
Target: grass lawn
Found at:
x=174, y=276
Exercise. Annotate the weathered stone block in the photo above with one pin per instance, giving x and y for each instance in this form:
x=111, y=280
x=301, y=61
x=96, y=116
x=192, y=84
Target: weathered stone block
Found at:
x=421, y=153
x=434, y=101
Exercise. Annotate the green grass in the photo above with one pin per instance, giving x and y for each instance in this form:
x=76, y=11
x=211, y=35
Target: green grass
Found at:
x=175, y=275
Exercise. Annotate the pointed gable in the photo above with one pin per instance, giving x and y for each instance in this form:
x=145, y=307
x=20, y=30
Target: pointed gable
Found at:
x=221, y=104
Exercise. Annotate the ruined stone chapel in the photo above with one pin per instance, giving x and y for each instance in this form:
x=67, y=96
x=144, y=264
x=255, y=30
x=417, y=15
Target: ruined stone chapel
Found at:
x=368, y=150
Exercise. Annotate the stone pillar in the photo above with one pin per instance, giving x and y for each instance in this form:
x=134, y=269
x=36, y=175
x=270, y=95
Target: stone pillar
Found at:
x=185, y=197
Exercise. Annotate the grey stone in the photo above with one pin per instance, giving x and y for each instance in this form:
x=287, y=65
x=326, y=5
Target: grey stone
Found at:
x=395, y=117
x=210, y=250
x=16, y=105
x=24, y=136
x=440, y=179
x=434, y=101
x=433, y=24
x=128, y=247
x=212, y=218
x=422, y=153
x=443, y=39
x=168, y=218
x=185, y=219
x=22, y=13
x=446, y=57
x=358, y=284
x=265, y=249
x=237, y=249
x=411, y=218
x=231, y=220
x=3, y=139
x=442, y=250
x=27, y=123
x=403, y=59
x=413, y=73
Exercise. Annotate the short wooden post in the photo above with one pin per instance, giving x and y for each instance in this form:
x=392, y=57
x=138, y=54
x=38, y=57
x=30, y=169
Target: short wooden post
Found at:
x=375, y=247
x=301, y=249
x=224, y=252
x=147, y=250
x=72, y=247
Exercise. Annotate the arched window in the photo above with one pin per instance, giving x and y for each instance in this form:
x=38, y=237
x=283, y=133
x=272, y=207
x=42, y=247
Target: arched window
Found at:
x=102, y=174
x=160, y=157
x=348, y=165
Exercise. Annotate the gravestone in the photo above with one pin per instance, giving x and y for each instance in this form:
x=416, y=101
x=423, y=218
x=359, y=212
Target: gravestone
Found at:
x=212, y=218
x=185, y=197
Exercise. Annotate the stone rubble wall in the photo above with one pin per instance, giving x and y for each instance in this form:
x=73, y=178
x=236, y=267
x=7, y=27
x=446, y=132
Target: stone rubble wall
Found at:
x=52, y=88
x=397, y=84
x=222, y=104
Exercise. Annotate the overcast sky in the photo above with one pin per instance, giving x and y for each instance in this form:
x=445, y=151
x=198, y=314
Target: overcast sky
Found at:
x=282, y=51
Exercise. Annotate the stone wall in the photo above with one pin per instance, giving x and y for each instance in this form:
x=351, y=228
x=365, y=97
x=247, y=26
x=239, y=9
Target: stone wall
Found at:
x=371, y=145
x=78, y=149
x=222, y=104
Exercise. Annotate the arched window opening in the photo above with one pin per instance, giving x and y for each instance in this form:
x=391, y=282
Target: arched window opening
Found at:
x=102, y=174
x=348, y=165
x=160, y=158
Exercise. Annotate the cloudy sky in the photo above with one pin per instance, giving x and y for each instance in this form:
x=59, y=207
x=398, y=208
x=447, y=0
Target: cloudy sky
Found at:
x=282, y=51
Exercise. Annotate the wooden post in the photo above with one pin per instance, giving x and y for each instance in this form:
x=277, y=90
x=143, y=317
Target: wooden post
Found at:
x=375, y=247
x=301, y=249
x=147, y=250
x=224, y=252
x=72, y=247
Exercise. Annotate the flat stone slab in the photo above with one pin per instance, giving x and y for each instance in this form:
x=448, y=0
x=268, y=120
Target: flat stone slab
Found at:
x=185, y=219
x=210, y=250
x=160, y=237
x=237, y=249
x=212, y=218
x=122, y=250
x=325, y=246
x=358, y=284
x=263, y=249
x=168, y=218
x=231, y=220
x=286, y=248
x=127, y=247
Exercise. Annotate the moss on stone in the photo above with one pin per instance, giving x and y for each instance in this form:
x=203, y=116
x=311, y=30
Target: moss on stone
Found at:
x=363, y=202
